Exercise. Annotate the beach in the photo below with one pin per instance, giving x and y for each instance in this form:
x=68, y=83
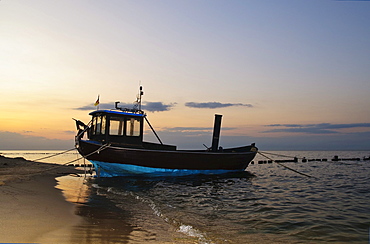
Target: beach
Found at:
x=45, y=203
x=32, y=210
x=40, y=203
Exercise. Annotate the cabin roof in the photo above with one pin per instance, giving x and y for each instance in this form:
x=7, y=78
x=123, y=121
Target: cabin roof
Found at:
x=118, y=112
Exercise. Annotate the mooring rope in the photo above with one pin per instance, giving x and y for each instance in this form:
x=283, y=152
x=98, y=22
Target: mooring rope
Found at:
x=96, y=151
x=56, y=154
x=262, y=154
x=281, y=155
x=60, y=165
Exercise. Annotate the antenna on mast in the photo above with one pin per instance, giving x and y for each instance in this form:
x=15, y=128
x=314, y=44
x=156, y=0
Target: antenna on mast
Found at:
x=140, y=94
x=137, y=103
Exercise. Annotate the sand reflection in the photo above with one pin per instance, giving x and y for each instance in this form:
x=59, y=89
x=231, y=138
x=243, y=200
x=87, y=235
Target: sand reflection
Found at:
x=102, y=221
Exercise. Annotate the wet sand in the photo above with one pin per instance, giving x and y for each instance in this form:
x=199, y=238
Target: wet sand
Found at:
x=40, y=203
x=31, y=208
x=39, y=206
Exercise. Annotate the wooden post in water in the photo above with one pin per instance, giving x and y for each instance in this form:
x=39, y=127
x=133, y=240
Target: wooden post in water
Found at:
x=216, y=132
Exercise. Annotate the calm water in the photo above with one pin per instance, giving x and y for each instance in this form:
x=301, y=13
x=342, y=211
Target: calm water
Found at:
x=266, y=204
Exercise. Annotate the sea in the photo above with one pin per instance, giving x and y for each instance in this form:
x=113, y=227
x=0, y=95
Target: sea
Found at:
x=287, y=202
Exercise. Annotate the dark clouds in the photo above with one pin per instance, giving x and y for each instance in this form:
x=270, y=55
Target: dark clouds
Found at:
x=191, y=131
x=161, y=107
x=12, y=140
x=323, y=128
x=101, y=106
x=182, y=129
x=157, y=106
x=147, y=106
x=213, y=105
x=194, y=138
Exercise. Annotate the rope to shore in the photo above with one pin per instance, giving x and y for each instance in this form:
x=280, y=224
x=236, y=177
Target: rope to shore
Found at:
x=262, y=154
x=56, y=154
x=60, y=165
x=281, y=155
x=96, y=151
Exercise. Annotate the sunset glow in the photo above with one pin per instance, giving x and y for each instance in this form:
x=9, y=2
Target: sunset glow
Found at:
x=302, y=63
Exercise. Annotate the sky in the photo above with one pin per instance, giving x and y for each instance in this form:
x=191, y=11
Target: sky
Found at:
x=285, y=74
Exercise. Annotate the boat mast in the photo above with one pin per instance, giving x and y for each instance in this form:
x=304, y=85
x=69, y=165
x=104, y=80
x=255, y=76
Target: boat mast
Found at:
x=140, y=94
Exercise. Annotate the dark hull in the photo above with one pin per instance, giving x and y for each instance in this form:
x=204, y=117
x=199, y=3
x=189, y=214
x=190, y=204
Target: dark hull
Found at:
x=230, y=159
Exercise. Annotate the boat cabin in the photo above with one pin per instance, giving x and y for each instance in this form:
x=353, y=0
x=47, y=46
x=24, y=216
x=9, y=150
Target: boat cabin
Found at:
x=117, y=127
x=121, y=128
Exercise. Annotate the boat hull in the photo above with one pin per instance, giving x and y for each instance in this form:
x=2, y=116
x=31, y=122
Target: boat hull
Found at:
x=116, y=161
x=105, y=169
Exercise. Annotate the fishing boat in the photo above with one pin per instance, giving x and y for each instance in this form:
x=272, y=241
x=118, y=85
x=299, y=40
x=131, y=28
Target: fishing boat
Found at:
x=113, y=142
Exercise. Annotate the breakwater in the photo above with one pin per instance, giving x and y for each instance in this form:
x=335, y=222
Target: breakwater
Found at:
x=335, y=158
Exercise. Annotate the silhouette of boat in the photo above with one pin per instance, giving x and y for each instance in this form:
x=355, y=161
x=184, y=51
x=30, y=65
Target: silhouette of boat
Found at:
x=115, y=146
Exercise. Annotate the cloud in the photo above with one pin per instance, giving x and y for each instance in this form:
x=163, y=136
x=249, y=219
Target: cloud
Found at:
x=334, y=142
x=213, y=105
x=194, y=129
x=12, y=141
x=101, y=106
x=157, y=106
x=323, y=128
x=343, y=126
x=146, y=106
x=195, y=137
x=286, y=125
x=180, y=135
x=186, y=131
x=161, y=107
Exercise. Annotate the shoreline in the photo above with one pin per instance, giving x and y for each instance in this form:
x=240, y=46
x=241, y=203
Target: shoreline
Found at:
x=32, y=209
x=36, y=207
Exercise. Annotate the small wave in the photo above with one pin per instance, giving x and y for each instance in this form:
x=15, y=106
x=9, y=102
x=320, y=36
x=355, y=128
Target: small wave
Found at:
x=182, y=228
x=185, y=229
x=190, y=231
x=96, y=186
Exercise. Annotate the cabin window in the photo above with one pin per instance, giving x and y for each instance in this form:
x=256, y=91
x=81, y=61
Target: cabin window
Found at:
x=116, y=126
x=133, y=127
x=103, y=124
x=92, y=129
x=99, y=125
